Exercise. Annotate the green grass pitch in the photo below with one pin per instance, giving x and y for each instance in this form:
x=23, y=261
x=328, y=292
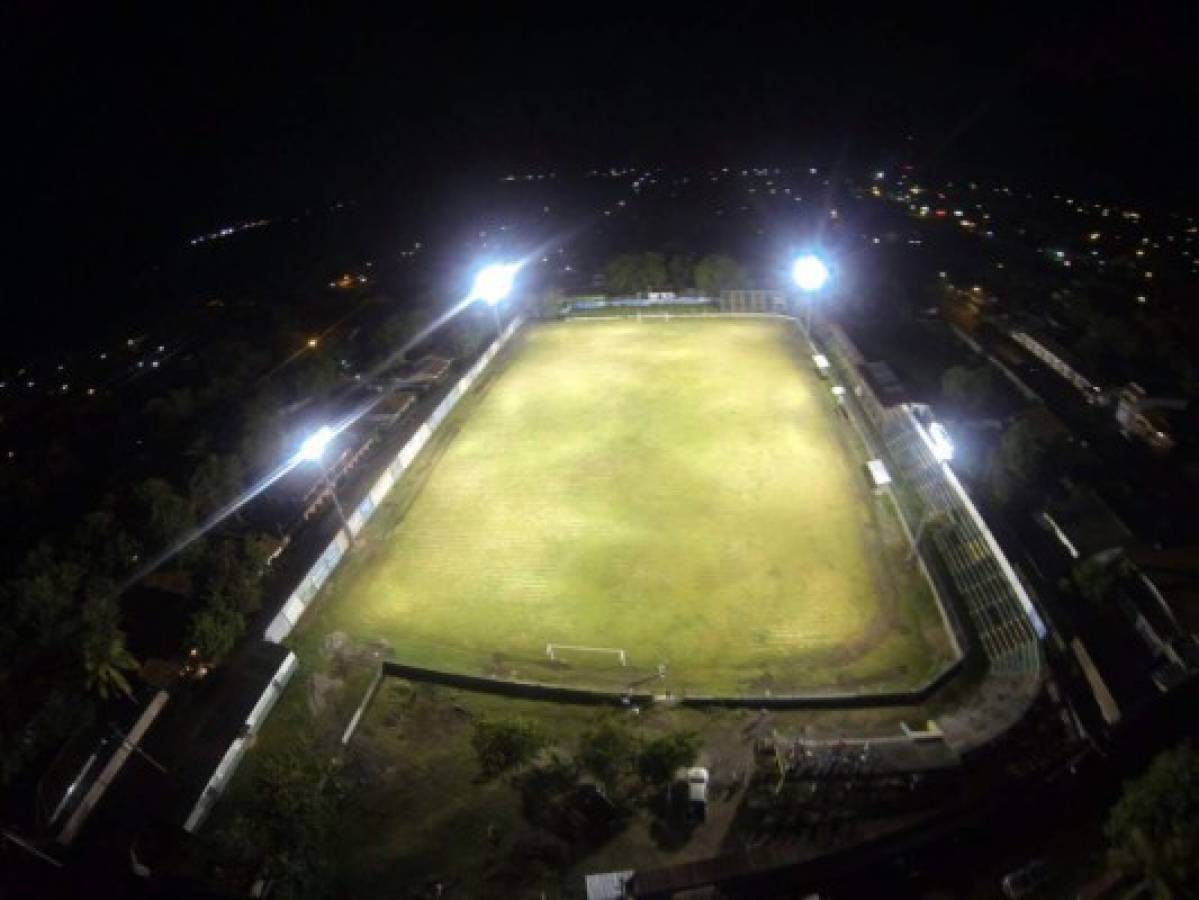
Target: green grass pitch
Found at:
x=683, y=490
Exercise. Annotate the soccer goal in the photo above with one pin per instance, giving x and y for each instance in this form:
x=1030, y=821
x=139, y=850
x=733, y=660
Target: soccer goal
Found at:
x=554, y=651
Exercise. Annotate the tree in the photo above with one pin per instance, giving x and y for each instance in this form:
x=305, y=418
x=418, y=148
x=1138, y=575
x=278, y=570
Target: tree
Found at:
x=172, y=409
x=503, y=744
x=105, y=657
x=156, y=515
x=214, y=630
x=968, y=389
x=1017, y=461
x=1153, y=830
x=653, y=272
x=386, y=341
x=718, y=273
x=291, y=818
x=633, y=273
x=660, y=758
x=681, y=271
x=229, y=573
x=213, y=483
x=312, y=375
x=44, y=594
x=607, y=751
x=1096, y=576
x=622, y=275
x=107, y=547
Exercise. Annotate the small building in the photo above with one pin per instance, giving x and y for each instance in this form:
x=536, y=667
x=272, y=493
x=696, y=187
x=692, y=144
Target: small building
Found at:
x=884, y=383
x=1059, y=360
x=1142, y=417
x=1084, y=525
x=390, y=410
x=608, y=885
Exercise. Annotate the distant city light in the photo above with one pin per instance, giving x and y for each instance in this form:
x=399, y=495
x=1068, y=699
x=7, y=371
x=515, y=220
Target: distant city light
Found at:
x=809, y=272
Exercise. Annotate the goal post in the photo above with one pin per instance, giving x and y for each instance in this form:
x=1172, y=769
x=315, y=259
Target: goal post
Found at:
x=554, y=650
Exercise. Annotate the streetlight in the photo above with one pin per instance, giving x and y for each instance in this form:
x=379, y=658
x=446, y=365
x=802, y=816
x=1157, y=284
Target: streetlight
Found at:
x=492, y=284
x=810, y=274
x=313, y=450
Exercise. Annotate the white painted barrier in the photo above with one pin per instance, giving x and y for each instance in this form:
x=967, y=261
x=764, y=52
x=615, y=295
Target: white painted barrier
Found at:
x=232, y=758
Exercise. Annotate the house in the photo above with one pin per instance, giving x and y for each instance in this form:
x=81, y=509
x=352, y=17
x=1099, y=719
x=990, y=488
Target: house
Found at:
x=1141, y=417
x=1059, y=360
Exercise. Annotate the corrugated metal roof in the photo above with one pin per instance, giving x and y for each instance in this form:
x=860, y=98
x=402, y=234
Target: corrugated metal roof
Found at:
x=607, y=885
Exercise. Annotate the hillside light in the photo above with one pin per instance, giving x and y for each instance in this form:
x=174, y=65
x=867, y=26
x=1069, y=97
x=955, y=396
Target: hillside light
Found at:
x=313, y=450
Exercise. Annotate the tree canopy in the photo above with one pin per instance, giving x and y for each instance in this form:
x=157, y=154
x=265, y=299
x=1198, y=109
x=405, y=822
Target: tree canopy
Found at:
x=659, y=759
x=1153, y=830
x=504, y=744
x=634, y=273
x=968, y=389
x=607, y=750
x=717, y=273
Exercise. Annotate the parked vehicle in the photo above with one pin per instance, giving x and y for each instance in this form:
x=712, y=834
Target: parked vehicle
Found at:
x=1026, y=880
x=697, y=793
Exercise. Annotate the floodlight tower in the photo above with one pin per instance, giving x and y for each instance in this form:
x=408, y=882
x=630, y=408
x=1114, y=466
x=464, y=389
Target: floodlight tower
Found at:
x=492, y=285
x=313, y=450
x=810, y=275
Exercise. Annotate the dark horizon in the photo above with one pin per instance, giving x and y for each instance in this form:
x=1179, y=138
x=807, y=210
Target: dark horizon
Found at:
x=140, y=131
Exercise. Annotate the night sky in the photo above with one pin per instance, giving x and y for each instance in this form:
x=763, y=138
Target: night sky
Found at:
x=129, y=133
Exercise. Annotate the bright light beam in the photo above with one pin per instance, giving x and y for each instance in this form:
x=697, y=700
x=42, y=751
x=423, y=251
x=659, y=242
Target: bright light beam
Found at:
x=810, y=273
x=314, y=447
x=319, y=439
x=493, y=283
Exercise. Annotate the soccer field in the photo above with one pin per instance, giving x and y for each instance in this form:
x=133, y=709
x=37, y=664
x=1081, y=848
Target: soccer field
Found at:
x=683, y=490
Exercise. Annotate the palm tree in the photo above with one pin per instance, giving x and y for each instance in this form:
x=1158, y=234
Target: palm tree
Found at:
x=106, y=659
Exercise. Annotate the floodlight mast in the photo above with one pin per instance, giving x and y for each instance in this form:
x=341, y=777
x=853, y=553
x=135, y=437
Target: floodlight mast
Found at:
x=313, y=450
x=492, y=285
x=810, y=274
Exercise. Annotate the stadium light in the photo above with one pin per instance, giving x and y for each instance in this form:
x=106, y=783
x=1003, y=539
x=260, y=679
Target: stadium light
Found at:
x=315, y=444
x=810, y=273
x=313, y=450
x=492, y=284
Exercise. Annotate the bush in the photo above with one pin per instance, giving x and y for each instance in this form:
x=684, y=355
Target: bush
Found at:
x=606, y=751
x=662, y=757
x=505, y=744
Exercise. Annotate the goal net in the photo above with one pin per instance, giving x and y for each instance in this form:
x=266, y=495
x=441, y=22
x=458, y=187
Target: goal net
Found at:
x=571, y=652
